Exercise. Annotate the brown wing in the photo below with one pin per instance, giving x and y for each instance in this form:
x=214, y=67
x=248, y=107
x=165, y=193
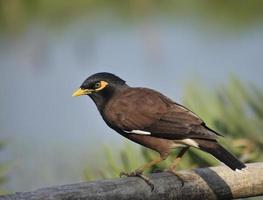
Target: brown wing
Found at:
x=147, y=110
x=134, y=109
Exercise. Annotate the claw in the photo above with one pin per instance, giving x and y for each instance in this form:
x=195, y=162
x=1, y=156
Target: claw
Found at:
x=131, y=174
x=147, y=180
x=177, y=175
x=138, y=173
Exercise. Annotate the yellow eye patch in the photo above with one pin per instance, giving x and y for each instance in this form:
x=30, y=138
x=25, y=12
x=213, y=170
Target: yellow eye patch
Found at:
x=103, y=84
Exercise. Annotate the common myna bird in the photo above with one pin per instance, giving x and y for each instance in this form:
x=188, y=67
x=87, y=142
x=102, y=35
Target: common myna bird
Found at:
x=153, y=120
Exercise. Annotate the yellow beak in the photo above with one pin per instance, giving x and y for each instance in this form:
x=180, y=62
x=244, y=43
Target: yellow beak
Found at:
x=81, y=92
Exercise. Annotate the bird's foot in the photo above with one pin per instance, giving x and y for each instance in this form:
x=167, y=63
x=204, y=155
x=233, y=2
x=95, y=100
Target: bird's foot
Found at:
x=139, y=173
x=172, y=171
x=131, y=174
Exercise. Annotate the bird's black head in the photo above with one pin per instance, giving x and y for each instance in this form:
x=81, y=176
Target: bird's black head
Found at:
x=100, y=87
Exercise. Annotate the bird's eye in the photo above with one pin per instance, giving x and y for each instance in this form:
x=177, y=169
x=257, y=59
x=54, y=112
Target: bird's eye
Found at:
x=97, y=85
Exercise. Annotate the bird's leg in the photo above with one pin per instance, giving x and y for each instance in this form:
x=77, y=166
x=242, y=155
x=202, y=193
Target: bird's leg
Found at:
x=172, y=167
x=178, y=158
x=139, y=172
x=141, y=169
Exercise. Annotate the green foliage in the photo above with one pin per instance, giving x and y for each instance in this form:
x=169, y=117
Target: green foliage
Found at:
x=234, y=110
x=127, y=159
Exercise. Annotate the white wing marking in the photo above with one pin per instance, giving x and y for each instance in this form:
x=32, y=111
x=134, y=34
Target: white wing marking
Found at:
x=139, y=132
x=185, y=142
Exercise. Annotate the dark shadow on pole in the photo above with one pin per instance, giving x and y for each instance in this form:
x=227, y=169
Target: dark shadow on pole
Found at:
x=219, y=187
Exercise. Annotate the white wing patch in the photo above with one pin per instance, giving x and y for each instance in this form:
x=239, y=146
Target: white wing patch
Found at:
x=139, y=132
x=185, y=142
x=190, y=142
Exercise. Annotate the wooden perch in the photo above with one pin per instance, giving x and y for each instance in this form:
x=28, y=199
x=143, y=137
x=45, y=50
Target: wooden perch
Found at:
x=203, y=183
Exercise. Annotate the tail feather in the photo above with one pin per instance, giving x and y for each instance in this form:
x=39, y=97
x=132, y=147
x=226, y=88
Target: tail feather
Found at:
x=221, y=154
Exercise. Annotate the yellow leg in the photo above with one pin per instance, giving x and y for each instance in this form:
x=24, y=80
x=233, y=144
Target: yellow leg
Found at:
x=138, y=172
x=141, y=169
x=172, y=167
x=150, y=164
x=178, y=158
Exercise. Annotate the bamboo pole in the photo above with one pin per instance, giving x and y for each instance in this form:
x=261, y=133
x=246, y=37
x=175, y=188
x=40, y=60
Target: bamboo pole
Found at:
x=203, y=183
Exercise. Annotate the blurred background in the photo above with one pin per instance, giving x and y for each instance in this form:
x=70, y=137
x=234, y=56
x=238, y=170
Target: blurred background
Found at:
x=207, y=55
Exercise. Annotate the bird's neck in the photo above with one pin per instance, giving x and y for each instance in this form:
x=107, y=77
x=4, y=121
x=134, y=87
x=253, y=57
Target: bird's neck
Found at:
x=103, y=97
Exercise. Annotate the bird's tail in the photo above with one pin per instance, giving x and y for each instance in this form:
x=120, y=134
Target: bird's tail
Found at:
x=212, y=147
